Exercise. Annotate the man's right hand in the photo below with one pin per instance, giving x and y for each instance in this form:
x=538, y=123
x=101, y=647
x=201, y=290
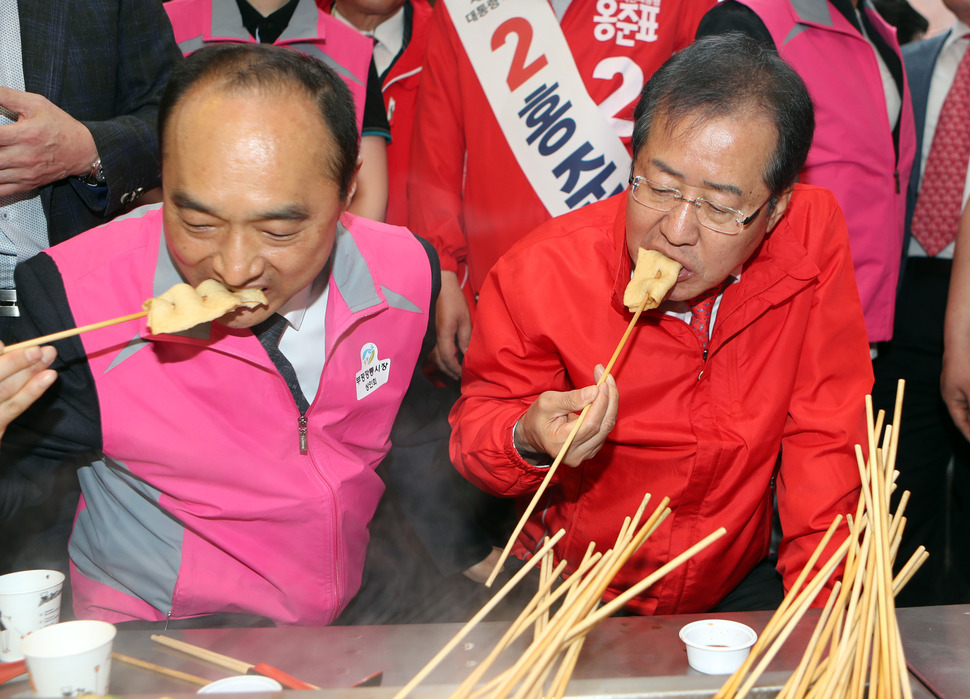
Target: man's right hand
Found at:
x=547, y=423
x=453, y=325
x=24, y=376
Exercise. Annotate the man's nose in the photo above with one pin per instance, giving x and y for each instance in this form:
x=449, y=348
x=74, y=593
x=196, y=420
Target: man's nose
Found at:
x=679, y=226
x=239, y=260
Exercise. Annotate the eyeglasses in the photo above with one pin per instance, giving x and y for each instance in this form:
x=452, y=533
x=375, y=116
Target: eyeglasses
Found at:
x=719, y=218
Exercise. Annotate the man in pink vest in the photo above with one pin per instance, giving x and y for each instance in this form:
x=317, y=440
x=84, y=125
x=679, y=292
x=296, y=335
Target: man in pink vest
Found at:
x=228, y=471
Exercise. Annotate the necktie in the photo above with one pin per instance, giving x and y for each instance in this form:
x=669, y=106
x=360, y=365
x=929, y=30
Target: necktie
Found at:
x=269, y=333
x=700, y=314
x=938, y=205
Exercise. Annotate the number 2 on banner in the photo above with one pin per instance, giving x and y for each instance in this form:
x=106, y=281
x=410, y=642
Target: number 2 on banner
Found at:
x=519, y=72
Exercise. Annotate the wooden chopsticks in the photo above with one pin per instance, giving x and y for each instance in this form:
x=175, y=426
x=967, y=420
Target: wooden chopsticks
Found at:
x=44, y=339
x=161, y=669
x=238, y=666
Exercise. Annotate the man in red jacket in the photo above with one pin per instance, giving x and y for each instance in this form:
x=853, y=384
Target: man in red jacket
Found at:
x=781, y=366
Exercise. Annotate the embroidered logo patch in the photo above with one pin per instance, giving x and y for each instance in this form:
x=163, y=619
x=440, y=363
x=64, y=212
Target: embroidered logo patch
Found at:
x=374, y=371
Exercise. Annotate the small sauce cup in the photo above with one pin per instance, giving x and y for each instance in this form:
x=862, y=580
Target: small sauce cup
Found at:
x=717, y=646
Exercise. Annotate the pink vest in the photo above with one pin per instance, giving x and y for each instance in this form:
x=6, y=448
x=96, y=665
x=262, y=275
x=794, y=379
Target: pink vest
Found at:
x=311, y=31
x=852, y=154
x=203, y=502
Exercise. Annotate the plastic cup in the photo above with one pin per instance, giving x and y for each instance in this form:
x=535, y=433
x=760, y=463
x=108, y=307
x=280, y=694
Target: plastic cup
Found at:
x=717, y=646
x=242, y=683
x=29, y=600
x=69, y=659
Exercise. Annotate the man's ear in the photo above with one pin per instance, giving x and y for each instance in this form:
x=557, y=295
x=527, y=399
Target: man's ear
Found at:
x=352, y=190
x=781, y=205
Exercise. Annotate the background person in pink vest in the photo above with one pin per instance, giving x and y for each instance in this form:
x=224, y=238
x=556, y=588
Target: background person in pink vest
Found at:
x=227, y=472
x=301, y=26
x=865, y=140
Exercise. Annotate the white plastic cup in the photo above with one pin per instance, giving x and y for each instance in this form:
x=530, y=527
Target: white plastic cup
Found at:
x=29, y=600
x=241, y=684
x=69, y=659
x=717, y=646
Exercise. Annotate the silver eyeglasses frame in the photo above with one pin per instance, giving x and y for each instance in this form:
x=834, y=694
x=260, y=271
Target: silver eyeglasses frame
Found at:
x=698, y=204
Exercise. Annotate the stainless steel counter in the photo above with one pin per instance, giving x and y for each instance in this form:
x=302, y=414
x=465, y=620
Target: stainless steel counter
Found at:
x=623, y=657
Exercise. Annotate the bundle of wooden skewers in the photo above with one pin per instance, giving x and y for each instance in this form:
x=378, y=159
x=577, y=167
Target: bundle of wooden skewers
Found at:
x=544, y=668
x=855, y=649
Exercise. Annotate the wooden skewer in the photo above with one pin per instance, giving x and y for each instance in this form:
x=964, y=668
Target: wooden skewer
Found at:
x=161, y=669
x=479, y=615
x=237, y=666
x=794, y=614
x=44, y=339
x=617, y=602
x=551, y=471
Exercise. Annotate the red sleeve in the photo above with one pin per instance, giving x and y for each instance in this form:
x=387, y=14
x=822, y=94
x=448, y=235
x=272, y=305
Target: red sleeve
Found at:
x=438, y=146
x=818, y=477
x=504, y=371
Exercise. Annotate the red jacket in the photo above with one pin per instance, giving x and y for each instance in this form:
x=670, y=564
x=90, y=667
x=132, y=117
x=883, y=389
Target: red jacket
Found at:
x=400, y=100
x=788, y=370
x=467, y=193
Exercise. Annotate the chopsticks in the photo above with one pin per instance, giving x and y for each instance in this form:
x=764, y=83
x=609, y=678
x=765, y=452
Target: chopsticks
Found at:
x=44, y=339
x=856, y=642
x=551, y=471
x=161, y=669
x=544, y=668
x=239, y=666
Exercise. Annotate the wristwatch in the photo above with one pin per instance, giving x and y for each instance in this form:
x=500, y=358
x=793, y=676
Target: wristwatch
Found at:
x=96, y=176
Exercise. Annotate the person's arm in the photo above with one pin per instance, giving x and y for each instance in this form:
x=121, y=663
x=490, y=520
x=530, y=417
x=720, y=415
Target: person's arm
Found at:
x=24, y=376
x=818, y=477
x=44, y=145
x=62, y=422
x=125, y=138
x=435, y=183
x=506, y=427
x=370, y=199
x=955, y=379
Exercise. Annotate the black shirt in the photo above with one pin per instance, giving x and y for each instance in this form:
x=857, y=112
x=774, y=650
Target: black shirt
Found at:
x=266, y=30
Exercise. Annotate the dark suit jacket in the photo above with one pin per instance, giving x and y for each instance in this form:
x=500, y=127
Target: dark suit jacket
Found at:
x=105, y=62
x=919, y=59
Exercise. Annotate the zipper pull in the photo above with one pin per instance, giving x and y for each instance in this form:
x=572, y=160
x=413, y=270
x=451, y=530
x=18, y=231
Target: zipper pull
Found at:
x=303, y=440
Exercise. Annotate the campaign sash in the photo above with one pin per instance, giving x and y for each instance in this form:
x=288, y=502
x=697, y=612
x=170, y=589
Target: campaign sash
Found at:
x=561, y=139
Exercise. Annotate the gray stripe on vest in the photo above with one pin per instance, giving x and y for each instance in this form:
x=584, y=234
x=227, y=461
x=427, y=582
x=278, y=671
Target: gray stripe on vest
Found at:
x=316, y=52
x=396, y=300
x=227, y=22
x=167, y=276
x=816, y=11
x=350, y=272
x=134, y=344
x=139, y=212
x=303, y=24
x=191, y=45
x=795, y=31
x=123, y=538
